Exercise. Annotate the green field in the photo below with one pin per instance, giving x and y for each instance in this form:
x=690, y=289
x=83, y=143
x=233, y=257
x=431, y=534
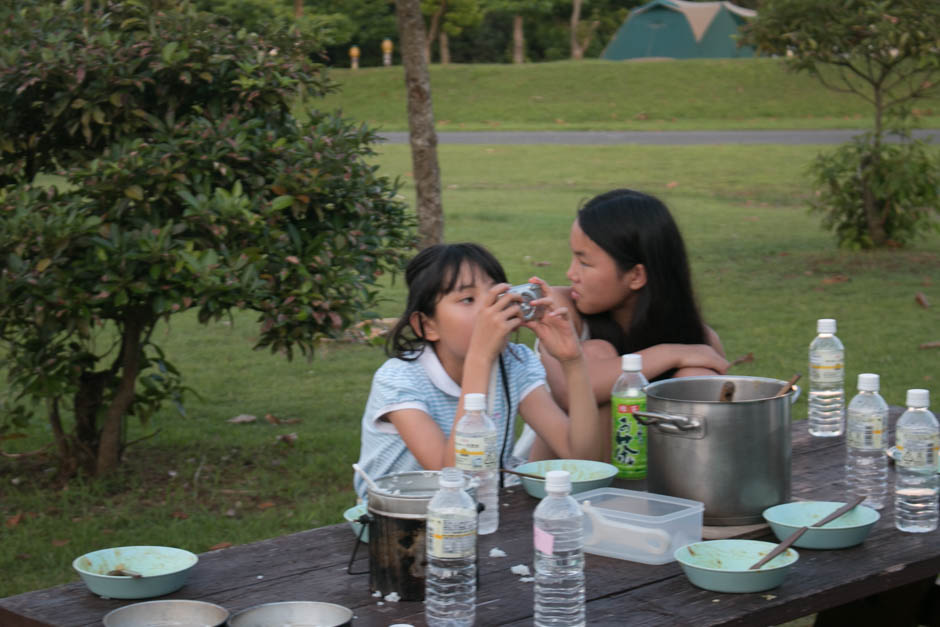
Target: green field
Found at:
x=701, y=94
x=764, y=272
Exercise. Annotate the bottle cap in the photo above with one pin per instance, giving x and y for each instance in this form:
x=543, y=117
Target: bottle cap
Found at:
x=474, y=401
x=632, y=362
x=868, y=382
x=558, y=481
x=918, y=398
x=826, y=325
x=450, y=478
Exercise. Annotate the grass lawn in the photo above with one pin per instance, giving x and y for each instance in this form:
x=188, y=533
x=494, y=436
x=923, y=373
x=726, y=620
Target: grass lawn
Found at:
x=698, y=94
x=764, y=272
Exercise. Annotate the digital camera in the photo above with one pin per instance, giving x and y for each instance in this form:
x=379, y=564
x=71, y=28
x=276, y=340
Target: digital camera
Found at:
x=529, y=292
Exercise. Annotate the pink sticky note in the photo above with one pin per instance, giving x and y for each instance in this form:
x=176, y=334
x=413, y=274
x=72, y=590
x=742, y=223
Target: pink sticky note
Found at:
x=544, y=541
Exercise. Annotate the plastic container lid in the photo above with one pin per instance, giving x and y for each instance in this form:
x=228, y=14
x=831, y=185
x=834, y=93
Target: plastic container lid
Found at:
x=558, y=481
x=918, y=398
x=826, y=325
x=474, y=401
x=451, y=478
x=632, y=362
x=868, y=382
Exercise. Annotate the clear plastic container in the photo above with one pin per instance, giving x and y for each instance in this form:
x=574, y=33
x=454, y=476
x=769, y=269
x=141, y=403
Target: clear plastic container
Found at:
x=638, y=526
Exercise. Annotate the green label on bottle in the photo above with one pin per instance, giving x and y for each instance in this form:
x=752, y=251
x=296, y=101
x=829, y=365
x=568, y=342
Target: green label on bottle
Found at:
x=628, y=451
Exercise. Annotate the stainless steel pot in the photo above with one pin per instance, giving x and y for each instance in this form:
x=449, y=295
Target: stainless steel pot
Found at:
x=733, y=456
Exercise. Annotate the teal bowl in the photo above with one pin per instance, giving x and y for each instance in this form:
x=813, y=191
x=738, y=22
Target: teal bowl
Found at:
x=352, y=517
x=847, y=530
x=585, y=474
x=163, y=570
x=723, y=565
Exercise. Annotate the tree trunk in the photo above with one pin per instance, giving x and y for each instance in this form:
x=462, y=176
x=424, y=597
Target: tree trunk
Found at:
x=298, y=8
x=434, y=29
x=421, y=123
x=874, y=206
x=444, y=45
x=577, y=52
x=109, y=444
x=518, y=40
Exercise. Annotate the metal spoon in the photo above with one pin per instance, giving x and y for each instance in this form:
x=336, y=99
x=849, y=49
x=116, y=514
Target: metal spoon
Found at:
x=793, y=537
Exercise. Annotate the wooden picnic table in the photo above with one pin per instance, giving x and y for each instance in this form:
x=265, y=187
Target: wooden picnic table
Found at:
x=311, y=565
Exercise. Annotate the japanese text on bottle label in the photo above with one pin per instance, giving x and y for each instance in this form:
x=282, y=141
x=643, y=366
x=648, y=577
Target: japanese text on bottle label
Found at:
x=917, y=449
x=476, y=452
x=865, y=431
x=826, y=366
x=451, y=536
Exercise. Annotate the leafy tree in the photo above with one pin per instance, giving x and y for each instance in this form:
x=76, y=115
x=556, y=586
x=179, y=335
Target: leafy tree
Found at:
x=186, y=185
x=448, y=18
x=887, y=54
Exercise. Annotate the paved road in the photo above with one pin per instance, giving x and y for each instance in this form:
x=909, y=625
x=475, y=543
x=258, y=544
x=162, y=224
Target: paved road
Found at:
x=662, y=138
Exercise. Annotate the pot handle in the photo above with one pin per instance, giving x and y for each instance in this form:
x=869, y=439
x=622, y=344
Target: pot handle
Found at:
x=666, y=422
x=654, y=541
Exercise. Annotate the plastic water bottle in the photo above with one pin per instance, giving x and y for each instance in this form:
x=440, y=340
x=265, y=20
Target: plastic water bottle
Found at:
x=826, y=381
x=917, y=437
x=628, y=446
x=450, y=588
x=866, y=465
x=559, y=555
x=477, y=444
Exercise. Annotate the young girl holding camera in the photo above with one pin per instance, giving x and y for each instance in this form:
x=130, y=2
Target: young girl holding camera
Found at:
x=453, y=334
x=631, y=292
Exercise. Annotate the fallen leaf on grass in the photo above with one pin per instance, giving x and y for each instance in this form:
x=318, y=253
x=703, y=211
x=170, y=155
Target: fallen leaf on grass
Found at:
x=231, y=513
x=59, y=542
x=921, y=300
x=931, y=344
x=287, y=438
x=542, y=264
x=13, y=521
x=23, y=556
x=672, y=184
x=241, y=419
x=266, y=505
x=836, y=278
x=220, y=545
x=274, y=420
x=180, y=515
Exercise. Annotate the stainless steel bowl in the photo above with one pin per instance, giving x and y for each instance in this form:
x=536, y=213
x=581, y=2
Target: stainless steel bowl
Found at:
x=296, y=613
x=176, y=612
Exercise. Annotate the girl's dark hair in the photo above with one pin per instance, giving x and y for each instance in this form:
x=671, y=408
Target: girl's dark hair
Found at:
x=432, y=273
x=633, y=228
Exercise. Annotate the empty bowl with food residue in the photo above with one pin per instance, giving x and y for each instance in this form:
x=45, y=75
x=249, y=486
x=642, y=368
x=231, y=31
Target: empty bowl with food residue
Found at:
x=585, y=474
x=135, y=572
x=724, y=565
x=293, y=614
x=175, y=612
x=847, y=530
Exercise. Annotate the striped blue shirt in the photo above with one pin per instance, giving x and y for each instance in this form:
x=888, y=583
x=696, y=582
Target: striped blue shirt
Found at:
x=423, y=384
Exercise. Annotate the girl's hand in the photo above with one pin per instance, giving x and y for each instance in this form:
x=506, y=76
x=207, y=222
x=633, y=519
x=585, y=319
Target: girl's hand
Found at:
x=554, y=328
x=702, y=356
x=498, y=317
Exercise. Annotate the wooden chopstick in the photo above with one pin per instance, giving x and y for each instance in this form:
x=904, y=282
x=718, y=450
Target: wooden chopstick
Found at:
x=793, y=537
x=789, y=384
x=521, y=474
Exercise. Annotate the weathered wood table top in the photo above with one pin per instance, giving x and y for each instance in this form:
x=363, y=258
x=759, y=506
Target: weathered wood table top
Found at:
x=311, y=565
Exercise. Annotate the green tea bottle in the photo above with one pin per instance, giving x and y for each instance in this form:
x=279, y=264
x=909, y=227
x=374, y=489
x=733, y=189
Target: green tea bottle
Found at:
x=628, y=446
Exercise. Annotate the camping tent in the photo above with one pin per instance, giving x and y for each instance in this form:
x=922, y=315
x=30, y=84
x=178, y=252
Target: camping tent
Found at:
x=680, y=30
